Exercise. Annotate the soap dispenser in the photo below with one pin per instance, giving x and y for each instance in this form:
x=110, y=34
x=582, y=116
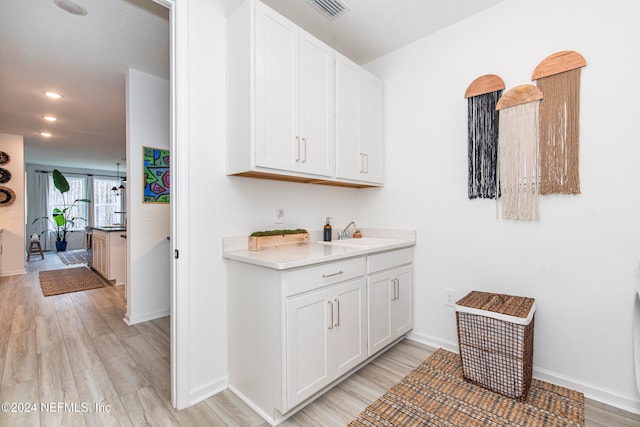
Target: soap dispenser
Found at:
x=327, y=230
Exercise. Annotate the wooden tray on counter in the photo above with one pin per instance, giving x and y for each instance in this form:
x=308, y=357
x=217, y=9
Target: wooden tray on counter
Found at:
x=258, y=243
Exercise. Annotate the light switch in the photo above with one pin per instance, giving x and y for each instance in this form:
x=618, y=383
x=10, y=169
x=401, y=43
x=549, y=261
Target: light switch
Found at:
x=278, y=216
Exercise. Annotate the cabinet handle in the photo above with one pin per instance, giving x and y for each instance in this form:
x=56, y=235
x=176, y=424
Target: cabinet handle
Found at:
x=298, y=147
x=366, y=168
x=324, y=276
x=396, y=289
x=304, y=141
x=338, y=312
x=331, y=322
x=393, y=283
x=361, y=162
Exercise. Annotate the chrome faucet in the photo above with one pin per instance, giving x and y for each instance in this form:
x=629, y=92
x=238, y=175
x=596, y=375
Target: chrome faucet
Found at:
x=344, y=233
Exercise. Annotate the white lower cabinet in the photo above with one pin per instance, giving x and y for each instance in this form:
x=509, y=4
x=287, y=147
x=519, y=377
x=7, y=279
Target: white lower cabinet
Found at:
x=390, y=307
x=293, y=333
x=100, y=253
x=326, y=337
x=109, y=256
x=390, y=297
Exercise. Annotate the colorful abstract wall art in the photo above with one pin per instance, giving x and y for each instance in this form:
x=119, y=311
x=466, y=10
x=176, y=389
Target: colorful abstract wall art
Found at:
x=157, y=175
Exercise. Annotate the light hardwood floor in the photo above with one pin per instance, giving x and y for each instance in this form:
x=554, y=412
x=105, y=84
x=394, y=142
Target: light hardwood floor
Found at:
x=74, y=349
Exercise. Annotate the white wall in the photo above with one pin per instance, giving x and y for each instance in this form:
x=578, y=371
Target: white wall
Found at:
x=581, y=260
x=12, y=217
x=228, y=206
x=149, y=255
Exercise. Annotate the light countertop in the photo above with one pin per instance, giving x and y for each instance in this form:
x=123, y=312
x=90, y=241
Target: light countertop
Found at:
x=317, y=252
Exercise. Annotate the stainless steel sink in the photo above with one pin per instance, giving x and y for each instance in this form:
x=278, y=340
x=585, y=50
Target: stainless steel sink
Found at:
x=364, y=242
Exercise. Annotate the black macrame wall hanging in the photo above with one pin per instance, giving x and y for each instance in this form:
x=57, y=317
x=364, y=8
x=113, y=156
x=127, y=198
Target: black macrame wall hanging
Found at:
x=482, y=137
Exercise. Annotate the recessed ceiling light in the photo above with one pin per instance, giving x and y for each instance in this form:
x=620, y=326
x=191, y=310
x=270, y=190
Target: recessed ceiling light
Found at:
x=49, y=118
x=53, y=95
x=71, y=7
x=45, y=134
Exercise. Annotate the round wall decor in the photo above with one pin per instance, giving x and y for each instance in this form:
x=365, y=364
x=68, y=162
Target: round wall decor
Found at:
x=5, y=176
x=4, y=158
x=7, y=196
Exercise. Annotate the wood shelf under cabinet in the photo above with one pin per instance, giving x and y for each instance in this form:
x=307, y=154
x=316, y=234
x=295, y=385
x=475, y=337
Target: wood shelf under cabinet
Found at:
x=301, y=179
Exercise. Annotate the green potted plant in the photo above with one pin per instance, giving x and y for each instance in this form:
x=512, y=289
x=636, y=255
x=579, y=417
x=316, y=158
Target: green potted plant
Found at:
x=62, y=221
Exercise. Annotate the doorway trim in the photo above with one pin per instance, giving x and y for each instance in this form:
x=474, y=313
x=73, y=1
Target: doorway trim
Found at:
x=179, y=237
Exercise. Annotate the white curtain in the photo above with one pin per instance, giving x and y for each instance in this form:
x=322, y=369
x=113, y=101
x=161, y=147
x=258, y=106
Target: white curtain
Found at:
x=90, y=209
x=39, y=204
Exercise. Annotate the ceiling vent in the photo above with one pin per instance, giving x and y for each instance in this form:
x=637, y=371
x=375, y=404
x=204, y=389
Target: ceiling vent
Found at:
x=331, y=9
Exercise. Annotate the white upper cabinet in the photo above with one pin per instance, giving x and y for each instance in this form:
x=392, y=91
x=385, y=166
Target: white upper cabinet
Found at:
x=348, y=158
x=359, y=124
x=317, y=136
x=276, y=91
x=282, y=99
x=371, y=123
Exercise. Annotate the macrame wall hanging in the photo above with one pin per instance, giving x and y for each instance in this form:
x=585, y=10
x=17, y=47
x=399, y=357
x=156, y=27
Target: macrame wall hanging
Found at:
x=558, y=77
x=518, y=156
x=482, y=137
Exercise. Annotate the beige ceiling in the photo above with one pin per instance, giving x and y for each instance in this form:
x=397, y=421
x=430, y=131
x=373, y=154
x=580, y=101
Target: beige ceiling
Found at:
x=86, y=58
x=373, y=28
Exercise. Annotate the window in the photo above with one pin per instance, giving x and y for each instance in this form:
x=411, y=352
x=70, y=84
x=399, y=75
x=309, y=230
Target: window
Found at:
x=76, y=191
x=106, y=202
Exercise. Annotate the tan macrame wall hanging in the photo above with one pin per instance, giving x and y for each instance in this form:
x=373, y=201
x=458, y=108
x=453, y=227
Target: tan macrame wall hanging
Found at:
x=482, y=135
x=518, y=155
x=558, y=77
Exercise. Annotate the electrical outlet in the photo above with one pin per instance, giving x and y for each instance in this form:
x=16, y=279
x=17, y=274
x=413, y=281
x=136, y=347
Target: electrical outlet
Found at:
x=449, y=297
x=278, y=216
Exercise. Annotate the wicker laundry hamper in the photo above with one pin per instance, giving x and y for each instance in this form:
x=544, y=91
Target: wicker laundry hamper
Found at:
x=495, y=337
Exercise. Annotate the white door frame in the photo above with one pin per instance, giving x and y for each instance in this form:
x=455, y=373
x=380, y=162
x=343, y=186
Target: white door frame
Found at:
x=179, y=106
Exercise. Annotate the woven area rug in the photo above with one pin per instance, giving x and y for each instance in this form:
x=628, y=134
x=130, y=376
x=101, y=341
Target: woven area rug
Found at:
x=435, y=394
x=77, y=256
x=56, y=282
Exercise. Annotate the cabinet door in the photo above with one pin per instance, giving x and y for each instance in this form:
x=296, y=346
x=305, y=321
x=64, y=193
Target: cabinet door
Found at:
x=380, y=295
x=348, y=156
x=359, y=123
x=308, y=332
x=402, y=306
x=117, y=270
x=316, y=139
x=371, y=128
x=100, y=254
x=349, y=322
x=276, y=90
x=390, y=306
